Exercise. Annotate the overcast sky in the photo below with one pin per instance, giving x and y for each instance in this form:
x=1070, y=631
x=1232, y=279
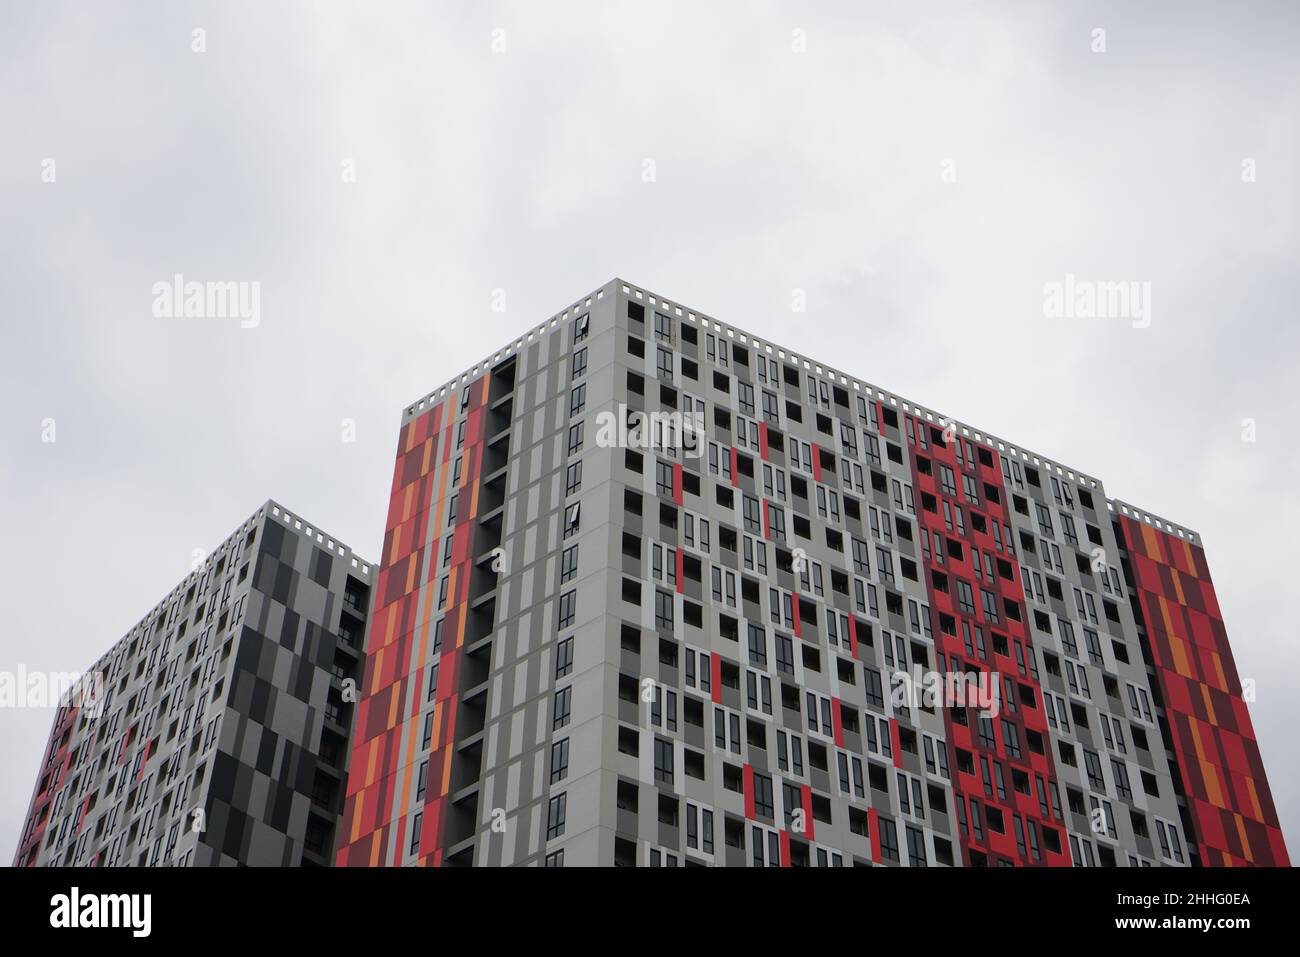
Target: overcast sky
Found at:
x=919, y=174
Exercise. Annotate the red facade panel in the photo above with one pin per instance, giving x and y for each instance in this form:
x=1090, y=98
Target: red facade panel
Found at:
x=1219, y=763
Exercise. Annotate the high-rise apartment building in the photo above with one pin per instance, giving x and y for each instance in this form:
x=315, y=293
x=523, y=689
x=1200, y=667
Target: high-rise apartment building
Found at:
x=217, y=729
x=655, y=591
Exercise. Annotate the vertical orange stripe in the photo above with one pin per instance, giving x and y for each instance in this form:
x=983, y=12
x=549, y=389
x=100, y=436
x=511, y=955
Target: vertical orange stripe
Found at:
x=393, y=698
x=446, y=774
x=411, y=567
x=1209, y=705
x=1209, y=772
x=1245, y=841
x=1180, y=656
x=358, y=803
x=1254, y=800
x=1149, y=541
x=1217, y=661
x=372, y=761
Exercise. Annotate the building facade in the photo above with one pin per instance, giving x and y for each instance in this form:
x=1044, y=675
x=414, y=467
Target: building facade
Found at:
x=217, y=731
x=655, y=591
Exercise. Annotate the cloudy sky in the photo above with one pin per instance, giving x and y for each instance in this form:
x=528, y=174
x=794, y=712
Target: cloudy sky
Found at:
x=918, y=174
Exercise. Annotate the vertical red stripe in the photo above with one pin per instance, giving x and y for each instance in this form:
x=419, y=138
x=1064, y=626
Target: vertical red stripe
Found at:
x=806, y=797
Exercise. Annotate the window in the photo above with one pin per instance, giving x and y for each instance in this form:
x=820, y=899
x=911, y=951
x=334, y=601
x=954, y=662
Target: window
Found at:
x=664, y=364
x=1011, y=738
x=577, y=399
x=776, y=518
x=1094, y=646
x=724, y=586
x=663, y=327
x=745, y=393
x=416, y=825
x=563, y=704
x=663, y=761
x=1122, y=786
x=421, y=777
x=575, y=437
x=915, y=847
x=664, y=479
x=573, y=478
x=555, y=813
x=559, y=760
x=581, y=326
x=1044, y=520
x=763, y=802
x=990, y=605
x=664, y=610
x=568, y=608
x=699, y=828
x=948, y=481
x=1092, y=763
x=572, y=515
x=885, y=564
x=861, y=560
x=785, y=654
x=580, y=362
x=568, y=564
x=757, y=646
x=888, y=840
x=965, y=598
x=564, y=658
x=874, y=689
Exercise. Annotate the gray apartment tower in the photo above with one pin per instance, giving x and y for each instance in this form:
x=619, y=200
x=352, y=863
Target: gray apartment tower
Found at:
x=216, y=731
x=656, y=591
